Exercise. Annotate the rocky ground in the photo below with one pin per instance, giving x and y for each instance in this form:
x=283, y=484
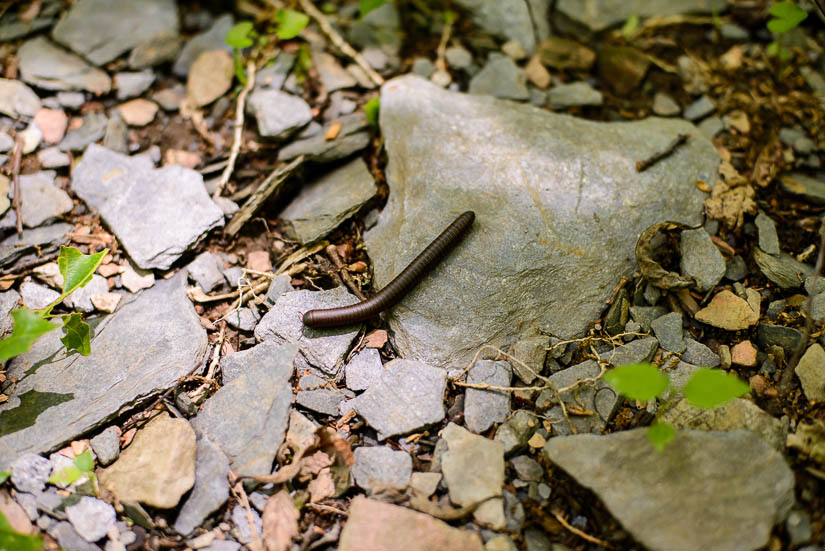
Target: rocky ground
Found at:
x=237, y=188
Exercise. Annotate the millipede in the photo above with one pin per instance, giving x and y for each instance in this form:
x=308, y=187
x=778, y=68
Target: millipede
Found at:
x=398, y=287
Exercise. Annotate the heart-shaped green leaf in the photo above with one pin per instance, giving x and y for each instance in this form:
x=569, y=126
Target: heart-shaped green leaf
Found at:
x=787, y=16
x=28, y=327
x=708, y=388
x=640, y=381
x=78, y=334
x=238, y=36
x=290, y=23
x=77, y=268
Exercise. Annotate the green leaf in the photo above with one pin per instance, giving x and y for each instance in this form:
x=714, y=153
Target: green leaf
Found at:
x=66, y=476
x=787, y=16
x=85, y=461
x=77, y=268
x=78, y=334
x=773, y=49
x=366, y=6
x=238, y=36
x=290, y=23
x=240, y=74
x=13, y=541
x=659, y=435
x=638, y=381
x=4, y=475
x=708, y=388
x=450, y=17
x=28, y=327
x=630, y=26
x=371, y=110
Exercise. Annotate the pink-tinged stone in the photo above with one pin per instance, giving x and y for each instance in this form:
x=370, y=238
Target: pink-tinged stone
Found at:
x=189, y=159
x=744, y=353
x=52, y=123
x=138, y=112
x=258, y=261
x=730, y=312
x=377, y=526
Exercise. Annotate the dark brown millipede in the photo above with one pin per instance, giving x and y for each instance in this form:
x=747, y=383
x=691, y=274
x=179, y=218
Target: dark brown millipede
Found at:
x=395, y=290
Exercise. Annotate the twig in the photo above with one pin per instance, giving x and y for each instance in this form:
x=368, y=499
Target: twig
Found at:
x=196, y=394
x=441, y=51
x=15, y=174
x=339, y=42
x=239, y=120
x=641, y=166
x=346, y=279
x=787, y=375
x=326, y=508
x=584, y=536
x=268, y=187
x=238, y=490
x=190, y=112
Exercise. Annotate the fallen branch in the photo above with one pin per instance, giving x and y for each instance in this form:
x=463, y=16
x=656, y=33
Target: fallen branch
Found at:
x=582, y=535
x=238, y=137
x=339, y=42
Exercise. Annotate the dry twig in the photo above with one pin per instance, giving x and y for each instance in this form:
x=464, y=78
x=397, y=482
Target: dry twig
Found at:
x=584, y=536
x=15, y=174
x=238, y=137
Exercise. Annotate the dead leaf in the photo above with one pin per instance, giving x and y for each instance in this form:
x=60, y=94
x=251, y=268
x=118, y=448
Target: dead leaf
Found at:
x=809, y=439
x=333, y=131
x=376, y=339
x=336, y=447
x=732, y=59
x=312, y=465
x=730, y=204
x=768, y=164
x=321, y=487
x=651, y=270
x=280, y=522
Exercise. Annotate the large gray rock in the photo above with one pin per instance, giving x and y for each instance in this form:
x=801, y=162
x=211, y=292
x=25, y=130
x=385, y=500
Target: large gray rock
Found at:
x=52, y=68
x=325, y=203
x=101, y=30
x=525, y=21
x=137, y=352
x=211, y=489
x=598, y=15
x=706, y=490
x=408, y=396
x=212, y=39
x=156, y=214
x=562, y=194
x=248, y=417
x=321, y=349
x=278, y=114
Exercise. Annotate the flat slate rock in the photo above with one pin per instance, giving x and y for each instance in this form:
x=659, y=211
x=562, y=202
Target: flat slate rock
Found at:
x=671, y=500
x=32, y=244
x=473, y=466
x=353, y=137
x=320, y=349
x=139, y=351
x=379, y=526
x=525, y=22
x=212, y=39
x=17, y=100
x=211, y=489
x=101, y=30
x=322, y=205
x=50, y=67
x=484, y=408
x=598, y=15
x=563, y=193
x=278, y=114
x=376, y=466
x=408, y=396
x=156, y=214
x=248, y=416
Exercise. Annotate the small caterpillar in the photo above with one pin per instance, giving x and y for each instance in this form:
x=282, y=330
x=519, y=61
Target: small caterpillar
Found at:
x=397, y=288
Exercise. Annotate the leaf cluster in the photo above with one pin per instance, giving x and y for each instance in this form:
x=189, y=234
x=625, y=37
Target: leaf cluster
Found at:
x=77, y=270
x=707, y=388
x=786, y=17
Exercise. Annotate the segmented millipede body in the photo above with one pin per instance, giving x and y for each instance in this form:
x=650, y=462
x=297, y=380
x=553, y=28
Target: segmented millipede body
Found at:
x=398, y=287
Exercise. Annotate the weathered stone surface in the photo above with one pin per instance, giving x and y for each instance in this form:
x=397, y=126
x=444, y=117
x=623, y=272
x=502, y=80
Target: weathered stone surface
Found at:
x=408, y=396
x=542, y=177
x=211, y=489
x=17, y=99
x=53, y=68
x=205, y=270
x=525, y=22
x=811, y=373
x=29, y=472
x=142, y=349
x=158, y=467
x=278, y=114
x=730, y=312
x=633, y=352
x=91, y=518
x=322, y=205
x=516, y=431
x=598, y=15
x=156, y=214
x=379, y=526
x=32, y=244
x=212, y=39
x=701, y=259
x=500, y=77
x=210, y=77
x=248, y=417
x=573, y=94
x=484, y=408
x=81, y=299
x=668, y=330
x=473, y=466
x=101, y=30
x=377, y=466
x=106, y=445
x=353, y=136
x=697, y=353
x=321, y=349
x=736, y=414
x=132, y=84
x=670, y=500
x=597, y=397
x=784, y=270
x=364, y=369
